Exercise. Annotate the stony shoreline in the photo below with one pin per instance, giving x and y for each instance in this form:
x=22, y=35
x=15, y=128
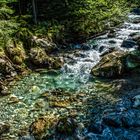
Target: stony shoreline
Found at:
x=105, y=108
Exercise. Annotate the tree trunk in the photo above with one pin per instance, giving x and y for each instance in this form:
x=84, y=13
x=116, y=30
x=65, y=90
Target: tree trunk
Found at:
x=34, y=11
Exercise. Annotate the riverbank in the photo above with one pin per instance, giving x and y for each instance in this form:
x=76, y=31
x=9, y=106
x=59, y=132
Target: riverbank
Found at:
x=69, y=103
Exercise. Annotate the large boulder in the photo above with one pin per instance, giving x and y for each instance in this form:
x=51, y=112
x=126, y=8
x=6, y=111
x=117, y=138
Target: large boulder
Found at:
x=136, y=37
x=129, y=43
x=45, y=43
x=16, y=52
x=39, y=58
x=110, y=66
x=6, y=65
x=133, y=60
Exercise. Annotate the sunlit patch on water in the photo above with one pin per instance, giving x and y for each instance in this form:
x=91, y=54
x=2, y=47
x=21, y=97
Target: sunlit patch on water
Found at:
x=26, y=102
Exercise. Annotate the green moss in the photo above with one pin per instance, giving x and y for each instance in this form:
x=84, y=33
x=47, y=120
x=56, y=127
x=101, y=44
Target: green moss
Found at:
x=17, y=60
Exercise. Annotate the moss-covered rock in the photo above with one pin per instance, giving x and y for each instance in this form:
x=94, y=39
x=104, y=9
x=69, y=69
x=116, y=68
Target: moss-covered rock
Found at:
x=17, y=60
x=6, y=65
x=16, y=52
x=42, y=125
x=56, y=63
x=45, y=43
x=39, y=58
x=110, y=66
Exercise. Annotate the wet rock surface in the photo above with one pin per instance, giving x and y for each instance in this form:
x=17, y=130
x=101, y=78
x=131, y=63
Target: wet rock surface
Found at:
x=136, y=11
x=71, y=104
x=39, y=128
x=110, y=66
x=4, y=128
x=39, y=57
x=123, y=121
x=128, y=44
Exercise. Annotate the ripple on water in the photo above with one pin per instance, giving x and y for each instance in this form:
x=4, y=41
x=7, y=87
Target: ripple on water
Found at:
x=74, y=78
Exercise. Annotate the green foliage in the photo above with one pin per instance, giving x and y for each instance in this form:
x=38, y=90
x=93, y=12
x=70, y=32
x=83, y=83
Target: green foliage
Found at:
x=5, y=12
x=7, y=25
x=81, y=18
x=51, y=29
x=25, y=35
x=7, y=28
x=61, y=20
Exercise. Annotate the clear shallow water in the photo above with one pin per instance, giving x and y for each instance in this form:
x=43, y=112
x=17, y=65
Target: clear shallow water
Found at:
x=74, y=77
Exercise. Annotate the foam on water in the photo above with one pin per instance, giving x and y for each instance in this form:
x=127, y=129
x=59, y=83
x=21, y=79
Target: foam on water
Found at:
x=74, y=75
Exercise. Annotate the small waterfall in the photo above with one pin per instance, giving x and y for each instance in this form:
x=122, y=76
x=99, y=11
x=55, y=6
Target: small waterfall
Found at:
x=74, y=76
x=78, y=64
x=79, y=67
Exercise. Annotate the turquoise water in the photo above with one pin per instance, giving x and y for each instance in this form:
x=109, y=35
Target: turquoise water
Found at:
x=73, y=80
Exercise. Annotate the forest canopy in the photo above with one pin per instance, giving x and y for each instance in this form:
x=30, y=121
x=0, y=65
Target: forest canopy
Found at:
x=61, y=20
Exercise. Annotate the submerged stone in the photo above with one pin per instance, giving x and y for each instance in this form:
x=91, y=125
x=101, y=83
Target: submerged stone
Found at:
x=4, y=128
x=61, y=104
x=66, y=126
x=128, y=44
x=136, y=101
x=34, y=89
x=42, y=125
x=112, y=120
x=133, y=59
x=96, y=128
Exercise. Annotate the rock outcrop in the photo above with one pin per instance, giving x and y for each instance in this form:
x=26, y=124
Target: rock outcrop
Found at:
x=16, y=53
x=44, y=43
x=136, y=38
x=6, y=65
x=111, y=65
x=39, y=58
x=129, y=43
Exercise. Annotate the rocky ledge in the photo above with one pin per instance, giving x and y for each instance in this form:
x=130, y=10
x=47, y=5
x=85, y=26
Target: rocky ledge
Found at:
x=16, y=60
